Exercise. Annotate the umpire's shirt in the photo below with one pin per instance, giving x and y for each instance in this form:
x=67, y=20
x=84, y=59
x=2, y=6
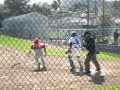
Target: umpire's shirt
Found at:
x=90, y=45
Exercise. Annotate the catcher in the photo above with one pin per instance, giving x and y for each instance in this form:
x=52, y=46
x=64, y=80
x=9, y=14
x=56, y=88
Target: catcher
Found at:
x=37, y=47
x=74, y=51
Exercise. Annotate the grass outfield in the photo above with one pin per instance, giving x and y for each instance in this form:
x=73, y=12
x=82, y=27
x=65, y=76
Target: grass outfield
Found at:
x=24, y=46
x=104, y=88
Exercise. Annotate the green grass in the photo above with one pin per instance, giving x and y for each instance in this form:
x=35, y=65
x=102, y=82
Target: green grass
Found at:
x=24, y=46
x=104, y=88
x=110, y=56
x=105, y=56
x=15, y=43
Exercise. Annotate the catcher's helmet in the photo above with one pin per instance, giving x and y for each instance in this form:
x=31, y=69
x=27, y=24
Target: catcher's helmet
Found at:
x=73, y=34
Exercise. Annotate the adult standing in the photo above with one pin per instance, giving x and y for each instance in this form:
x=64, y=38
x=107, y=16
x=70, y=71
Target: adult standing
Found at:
x=89, y=44
x=116, y=37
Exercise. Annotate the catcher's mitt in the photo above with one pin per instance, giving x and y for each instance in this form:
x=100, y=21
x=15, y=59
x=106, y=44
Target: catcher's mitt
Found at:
x=68, y=51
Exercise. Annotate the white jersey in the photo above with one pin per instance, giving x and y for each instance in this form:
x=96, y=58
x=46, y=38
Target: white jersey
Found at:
x=75, y=42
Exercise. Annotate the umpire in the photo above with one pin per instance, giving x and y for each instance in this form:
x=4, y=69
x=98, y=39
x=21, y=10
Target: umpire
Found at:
x=89, y=44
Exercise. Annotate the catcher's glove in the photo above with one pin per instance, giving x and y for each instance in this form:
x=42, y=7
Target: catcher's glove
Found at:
x=68, y=51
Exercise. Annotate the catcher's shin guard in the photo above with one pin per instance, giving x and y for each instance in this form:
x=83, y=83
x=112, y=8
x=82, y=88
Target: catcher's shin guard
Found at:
x=71, y=62
x=81, y=64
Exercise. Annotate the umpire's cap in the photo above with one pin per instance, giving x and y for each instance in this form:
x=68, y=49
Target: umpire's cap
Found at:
x=73, y=33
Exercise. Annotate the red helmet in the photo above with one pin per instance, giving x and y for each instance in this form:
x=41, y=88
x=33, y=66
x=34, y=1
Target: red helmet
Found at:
x=36, y=41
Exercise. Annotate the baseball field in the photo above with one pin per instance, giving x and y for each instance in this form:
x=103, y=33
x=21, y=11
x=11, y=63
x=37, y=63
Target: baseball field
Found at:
x=17, y=69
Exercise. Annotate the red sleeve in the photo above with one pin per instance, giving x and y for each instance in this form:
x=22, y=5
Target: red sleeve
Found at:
x=44, y=47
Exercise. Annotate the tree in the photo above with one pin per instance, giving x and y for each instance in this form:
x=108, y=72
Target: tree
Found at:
x=40, y=9
x=4, y=13
x=55, y=5
x=1, y=14
x=59, y=1
x=106, y=18
x=78, y=6
x=17, y=7
x=106, y=21
x=115, y=9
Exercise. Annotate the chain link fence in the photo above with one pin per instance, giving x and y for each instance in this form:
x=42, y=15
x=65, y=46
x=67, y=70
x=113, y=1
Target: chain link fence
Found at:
x=21, y=68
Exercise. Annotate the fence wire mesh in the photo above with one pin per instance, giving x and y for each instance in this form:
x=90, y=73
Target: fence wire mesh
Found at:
x=62, y=45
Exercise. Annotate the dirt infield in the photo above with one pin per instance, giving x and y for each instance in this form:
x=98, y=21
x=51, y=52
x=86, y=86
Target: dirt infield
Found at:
x=22, y=76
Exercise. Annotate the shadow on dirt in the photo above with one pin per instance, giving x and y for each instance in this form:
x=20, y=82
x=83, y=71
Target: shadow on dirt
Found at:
x=39, y=70
x=97, y=78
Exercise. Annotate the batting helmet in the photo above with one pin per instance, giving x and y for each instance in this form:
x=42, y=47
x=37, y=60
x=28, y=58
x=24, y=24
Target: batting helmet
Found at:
x=36, y=41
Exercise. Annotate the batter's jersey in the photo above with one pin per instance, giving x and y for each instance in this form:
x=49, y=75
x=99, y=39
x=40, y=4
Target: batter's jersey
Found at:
x=75, y=42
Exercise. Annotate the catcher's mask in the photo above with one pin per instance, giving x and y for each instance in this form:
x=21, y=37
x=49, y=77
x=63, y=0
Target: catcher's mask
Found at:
x=87, y=33
x=73, y=34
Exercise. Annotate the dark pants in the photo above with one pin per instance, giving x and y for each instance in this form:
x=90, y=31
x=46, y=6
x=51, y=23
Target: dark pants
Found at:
x=92, y=58
x=116, y=41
